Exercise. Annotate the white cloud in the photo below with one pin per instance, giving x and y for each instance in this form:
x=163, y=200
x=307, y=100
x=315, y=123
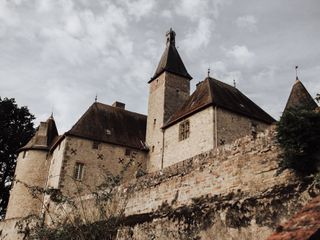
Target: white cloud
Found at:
x=166, y=14
x=191, y=9
x=241, y=55
x=139, y=8
x=247, y=22
x=7, y=14
x=199, y=37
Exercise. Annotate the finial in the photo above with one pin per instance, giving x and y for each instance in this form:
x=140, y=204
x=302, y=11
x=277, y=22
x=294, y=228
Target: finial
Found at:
x=234, y=83
x=297, y=78
x=171, y=35
x=96, y=98
x=208, y=72
x=51, y=116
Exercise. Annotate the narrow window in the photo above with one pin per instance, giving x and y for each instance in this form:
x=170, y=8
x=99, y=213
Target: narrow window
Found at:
x=128, y=152
x=78, y=171
x=95, y=145
x=154, y=122
x=253, y=129
x=184, y=130
x=152, y=149
x=59, y=146
x=24, y=154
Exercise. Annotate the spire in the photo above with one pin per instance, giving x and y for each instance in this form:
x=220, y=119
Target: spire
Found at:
x=171, y=61
x=44, y=136
x=171, y=37
x=300, y=97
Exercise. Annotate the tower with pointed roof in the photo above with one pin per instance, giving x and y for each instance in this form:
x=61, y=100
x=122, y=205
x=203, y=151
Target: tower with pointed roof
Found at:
x=300, y=97
x=169, y=89
x=32, y=171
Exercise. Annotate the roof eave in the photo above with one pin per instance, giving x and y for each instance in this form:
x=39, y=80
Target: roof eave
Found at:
x=172, y=72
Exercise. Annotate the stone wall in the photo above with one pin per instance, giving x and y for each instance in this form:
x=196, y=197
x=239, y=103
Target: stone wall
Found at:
x=31, y=170
x=98, y=163
x=200, y=138
x=234, y=192
x=167, y=93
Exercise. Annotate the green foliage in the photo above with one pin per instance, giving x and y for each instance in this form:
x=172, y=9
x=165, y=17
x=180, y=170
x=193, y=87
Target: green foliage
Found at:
x=16, y=129
x=299, y=137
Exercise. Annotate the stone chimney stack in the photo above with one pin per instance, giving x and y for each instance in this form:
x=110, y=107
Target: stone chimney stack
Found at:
x=119, y=105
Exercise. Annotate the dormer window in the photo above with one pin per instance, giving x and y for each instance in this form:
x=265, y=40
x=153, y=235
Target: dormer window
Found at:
x=184, y=130
x=108, y=131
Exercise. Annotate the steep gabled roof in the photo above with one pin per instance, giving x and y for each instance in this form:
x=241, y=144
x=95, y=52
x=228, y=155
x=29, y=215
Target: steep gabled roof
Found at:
x=216, y=93
x=170, y=60
x=300, y=97
x=45, y=136
x=114, y=125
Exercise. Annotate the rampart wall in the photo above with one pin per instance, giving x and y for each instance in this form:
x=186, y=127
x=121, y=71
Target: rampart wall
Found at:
x=234, y=192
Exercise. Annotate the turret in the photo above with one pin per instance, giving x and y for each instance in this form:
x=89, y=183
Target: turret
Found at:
x=169, y=88
x=300, y=97
x=32, y=171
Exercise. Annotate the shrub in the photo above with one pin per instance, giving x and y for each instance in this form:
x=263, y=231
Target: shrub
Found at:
x=299, y=137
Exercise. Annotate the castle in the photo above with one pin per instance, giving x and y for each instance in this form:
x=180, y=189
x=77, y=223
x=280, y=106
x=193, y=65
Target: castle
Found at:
x=179, y=126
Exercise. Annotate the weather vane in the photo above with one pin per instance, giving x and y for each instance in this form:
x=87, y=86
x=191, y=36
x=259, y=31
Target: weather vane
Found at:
x=209, y=72
x=234, y=83
x=297, y=72
x=96, y=98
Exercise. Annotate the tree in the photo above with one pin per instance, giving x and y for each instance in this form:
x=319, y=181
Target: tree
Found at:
x=16, y=129
x=299, y=137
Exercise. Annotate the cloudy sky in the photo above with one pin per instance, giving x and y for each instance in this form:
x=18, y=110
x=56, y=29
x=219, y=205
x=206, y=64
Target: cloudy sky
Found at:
x=56, y=55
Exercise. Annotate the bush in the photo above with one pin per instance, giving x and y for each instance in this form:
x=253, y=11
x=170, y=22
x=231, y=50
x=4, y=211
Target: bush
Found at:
x=299, y=137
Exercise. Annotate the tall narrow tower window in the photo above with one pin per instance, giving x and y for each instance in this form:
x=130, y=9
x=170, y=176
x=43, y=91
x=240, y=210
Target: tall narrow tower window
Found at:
x=184, y=130
x=79, y=171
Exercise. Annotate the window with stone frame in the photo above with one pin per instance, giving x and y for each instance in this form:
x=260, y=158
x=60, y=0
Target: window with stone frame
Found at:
x=184, y=130
x=78, y=171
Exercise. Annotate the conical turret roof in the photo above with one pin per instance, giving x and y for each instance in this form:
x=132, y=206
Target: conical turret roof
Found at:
x=45, y=136
x=300, y=97
x=171, y=61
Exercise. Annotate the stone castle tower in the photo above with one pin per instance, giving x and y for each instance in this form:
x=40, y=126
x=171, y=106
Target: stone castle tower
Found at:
x=32, y=170
x=169, y=89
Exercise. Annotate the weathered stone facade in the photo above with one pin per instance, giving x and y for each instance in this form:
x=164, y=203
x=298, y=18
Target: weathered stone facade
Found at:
x=235, y=192
x=167, y=93
x=218, y=178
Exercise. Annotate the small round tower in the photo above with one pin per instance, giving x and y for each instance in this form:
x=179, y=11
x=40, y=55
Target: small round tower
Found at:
x=33, y=163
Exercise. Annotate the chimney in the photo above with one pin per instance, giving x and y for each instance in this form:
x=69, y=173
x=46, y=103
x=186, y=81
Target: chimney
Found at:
x=118, y=105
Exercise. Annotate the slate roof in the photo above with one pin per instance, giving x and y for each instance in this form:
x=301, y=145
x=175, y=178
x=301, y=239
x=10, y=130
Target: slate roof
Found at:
x=302, y=226
x=299, y=96
x=114, y=125
x=45, y=136
x=216, y=93
x=170, y=60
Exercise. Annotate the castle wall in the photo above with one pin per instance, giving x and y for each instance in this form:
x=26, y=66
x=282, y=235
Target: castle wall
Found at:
x=200, y=139
x=107, y=158
x=31, y=170
x=232, y=193
x=231, y=126
x=56, y=165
